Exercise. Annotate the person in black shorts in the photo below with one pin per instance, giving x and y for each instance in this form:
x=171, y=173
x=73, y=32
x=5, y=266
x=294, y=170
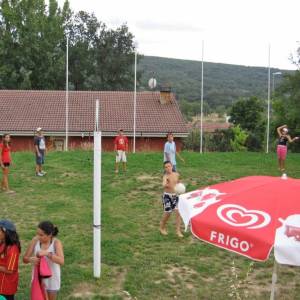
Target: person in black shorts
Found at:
x=5, y=162
x=40, y=150
x=170, y=199
x=283, y=139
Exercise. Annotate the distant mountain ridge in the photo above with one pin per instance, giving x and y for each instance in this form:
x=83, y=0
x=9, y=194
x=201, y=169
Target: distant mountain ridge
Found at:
x=223, y=83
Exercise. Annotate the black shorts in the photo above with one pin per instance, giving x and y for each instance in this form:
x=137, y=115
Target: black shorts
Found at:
x=8, y=297
x=6, y=164
x=170, y=202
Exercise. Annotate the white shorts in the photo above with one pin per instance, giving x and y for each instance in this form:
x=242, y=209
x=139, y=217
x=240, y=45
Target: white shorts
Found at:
x=121, y=156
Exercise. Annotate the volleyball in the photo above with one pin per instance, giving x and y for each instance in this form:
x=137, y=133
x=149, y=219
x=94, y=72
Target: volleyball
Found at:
x=179, y=188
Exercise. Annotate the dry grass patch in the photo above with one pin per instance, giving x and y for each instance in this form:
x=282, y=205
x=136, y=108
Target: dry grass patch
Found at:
x=116, y=277
x=83, y=291
x=183, y=274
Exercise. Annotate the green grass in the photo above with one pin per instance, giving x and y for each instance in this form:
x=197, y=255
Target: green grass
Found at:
x=137, y=262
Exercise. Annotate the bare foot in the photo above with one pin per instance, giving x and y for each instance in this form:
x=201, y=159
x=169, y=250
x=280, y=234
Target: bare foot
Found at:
x=179, y=234
x=163, y=231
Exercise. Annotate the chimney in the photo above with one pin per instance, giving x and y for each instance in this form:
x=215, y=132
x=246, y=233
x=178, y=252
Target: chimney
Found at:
x=165, y=94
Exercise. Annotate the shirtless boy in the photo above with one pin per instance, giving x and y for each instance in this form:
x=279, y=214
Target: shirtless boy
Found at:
x=170, y=199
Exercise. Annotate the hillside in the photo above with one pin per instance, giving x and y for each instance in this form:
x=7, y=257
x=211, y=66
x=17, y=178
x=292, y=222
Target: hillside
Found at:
x=223, y=83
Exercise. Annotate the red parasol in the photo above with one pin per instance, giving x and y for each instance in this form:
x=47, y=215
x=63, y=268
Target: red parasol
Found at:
x=246, y=214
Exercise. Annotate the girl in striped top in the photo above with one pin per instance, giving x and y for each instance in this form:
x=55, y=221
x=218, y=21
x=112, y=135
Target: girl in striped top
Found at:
x=10, y=249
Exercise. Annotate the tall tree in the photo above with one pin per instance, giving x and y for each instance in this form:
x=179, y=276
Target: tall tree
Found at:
x=100, y=58
x=33, y=48
x=286, y=105
x=32, y=44
x=248, y=114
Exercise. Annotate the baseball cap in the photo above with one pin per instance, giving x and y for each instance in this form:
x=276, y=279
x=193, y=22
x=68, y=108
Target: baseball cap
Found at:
x=7, y=225
x=39, y=129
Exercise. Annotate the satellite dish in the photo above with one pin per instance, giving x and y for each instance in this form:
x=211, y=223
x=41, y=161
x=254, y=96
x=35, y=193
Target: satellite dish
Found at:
x=152, y=83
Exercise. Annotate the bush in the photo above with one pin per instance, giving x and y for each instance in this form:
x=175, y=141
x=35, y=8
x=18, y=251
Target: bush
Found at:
x=219, y=140
x=239, y=140
x=253, y=142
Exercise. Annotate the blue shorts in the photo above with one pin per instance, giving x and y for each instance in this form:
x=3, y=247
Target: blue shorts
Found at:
x=40, y=160
x=170, y=202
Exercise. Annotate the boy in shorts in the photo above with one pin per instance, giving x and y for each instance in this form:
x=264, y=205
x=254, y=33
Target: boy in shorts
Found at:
x=170, y=199
x=120, y=147
x=40, y=150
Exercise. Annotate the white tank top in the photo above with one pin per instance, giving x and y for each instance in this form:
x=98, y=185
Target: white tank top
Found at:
x=52, y=283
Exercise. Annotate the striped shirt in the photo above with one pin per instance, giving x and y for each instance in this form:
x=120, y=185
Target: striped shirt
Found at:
x=9, y=258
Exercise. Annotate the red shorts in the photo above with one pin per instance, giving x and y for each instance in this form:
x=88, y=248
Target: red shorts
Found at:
x=281, y=151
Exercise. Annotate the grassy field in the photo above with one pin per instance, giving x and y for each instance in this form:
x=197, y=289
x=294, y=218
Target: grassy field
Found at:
x=137, y=262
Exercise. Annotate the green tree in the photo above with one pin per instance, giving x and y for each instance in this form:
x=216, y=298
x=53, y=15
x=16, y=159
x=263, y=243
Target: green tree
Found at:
x=239, y=139
x=33, y=48
x=247, y=113
x=100, y=58
x=32, y=44
x=286, y=106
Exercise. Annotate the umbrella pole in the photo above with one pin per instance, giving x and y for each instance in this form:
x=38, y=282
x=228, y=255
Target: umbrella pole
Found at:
x=274, y=280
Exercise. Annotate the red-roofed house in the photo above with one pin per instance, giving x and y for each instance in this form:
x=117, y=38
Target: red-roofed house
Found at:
x=156, y=114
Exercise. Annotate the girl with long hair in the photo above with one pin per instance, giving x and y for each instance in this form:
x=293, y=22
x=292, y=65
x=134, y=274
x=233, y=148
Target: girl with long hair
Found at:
x=45, y=244
x=5, y=162
x=283, y=139
x=10, y=249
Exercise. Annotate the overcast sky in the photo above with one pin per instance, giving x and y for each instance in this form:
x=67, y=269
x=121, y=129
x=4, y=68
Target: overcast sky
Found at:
x=233, y=31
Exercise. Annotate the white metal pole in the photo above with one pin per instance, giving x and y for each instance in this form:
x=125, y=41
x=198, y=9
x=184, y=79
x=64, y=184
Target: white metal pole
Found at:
x=269, y=95
x=67, y=95
x=274, y=280
x=134, y=101
x=201, y=116
x=97, y=196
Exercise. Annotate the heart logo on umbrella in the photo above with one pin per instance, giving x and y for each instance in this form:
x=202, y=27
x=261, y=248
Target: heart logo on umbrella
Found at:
x=239, y=216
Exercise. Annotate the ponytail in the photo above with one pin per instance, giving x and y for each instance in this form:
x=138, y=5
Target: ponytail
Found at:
x=48, y=228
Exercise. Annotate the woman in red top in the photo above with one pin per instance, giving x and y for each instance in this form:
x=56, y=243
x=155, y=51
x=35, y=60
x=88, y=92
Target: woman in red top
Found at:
x=10, y=249
x=5, y=161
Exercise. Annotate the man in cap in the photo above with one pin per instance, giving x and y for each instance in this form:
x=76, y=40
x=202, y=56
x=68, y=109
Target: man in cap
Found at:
x=40, y=150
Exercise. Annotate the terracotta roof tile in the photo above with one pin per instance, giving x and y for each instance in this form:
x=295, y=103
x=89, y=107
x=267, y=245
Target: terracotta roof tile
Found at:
x=27, y=110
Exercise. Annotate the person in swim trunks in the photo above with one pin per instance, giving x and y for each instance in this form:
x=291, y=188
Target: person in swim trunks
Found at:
x=170, y=199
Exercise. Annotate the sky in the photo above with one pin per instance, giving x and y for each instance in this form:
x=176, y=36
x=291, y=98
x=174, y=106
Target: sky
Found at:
x=228, y=31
